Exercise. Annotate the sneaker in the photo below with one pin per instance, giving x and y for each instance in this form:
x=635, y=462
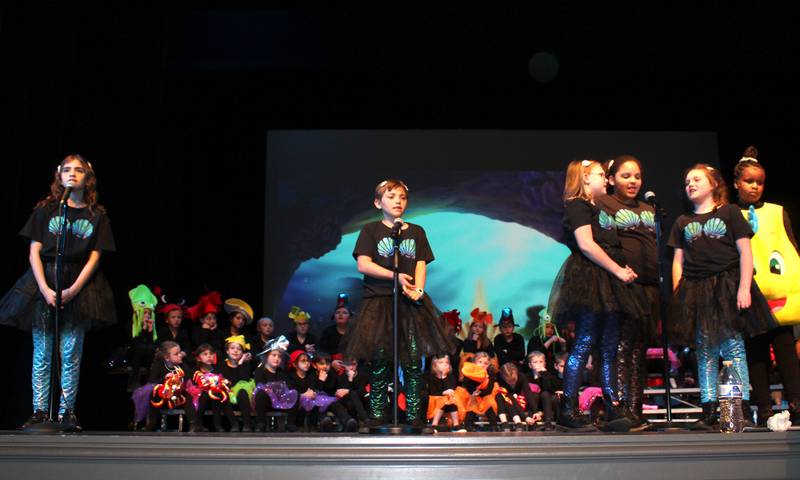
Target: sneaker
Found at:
x=460, y=429
x=326, y=425
x=38, y=416
x=351, y=425
x=69, y=422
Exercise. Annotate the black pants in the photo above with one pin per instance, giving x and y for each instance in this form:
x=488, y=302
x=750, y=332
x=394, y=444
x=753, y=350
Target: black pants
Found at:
x=758, y=363
x=355, y=406
x=542, y=401
x=243, y=403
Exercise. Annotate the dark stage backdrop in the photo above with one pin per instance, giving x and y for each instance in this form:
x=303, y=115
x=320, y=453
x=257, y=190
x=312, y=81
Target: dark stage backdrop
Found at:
x=489, y=200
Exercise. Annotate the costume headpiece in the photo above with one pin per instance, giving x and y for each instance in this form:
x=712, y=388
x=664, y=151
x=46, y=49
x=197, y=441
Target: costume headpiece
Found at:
x=507, y=316
x=208, y=303
x=297, y=315
x=238, y=339
x=142, y=299
x=479, y=316
x=233, y=305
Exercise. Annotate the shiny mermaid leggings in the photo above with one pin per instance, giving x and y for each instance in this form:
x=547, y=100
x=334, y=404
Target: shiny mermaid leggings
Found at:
x=708, y=354
x=71, y=348
x=592, y=328
x=381, y=376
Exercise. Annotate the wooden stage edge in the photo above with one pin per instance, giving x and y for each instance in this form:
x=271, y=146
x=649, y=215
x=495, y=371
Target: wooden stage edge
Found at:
x=651, y=455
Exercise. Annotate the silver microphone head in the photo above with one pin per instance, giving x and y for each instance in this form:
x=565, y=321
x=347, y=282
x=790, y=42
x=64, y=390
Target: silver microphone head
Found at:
x=649, y=196
x=69, y=184
x=398, y=220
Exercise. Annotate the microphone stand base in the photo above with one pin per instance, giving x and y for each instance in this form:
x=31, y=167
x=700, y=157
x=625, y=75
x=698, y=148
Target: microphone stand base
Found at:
x=399, y=430
x=45, y=428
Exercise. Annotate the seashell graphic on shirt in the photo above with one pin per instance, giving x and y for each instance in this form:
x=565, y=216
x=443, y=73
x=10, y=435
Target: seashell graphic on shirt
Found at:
x=692, y=232
x=715, y=228
x=626, y=219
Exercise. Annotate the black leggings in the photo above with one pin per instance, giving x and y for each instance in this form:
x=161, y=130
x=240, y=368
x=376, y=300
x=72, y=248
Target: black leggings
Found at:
x=758, y=363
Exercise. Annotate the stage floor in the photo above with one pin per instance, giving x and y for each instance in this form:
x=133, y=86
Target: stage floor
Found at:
x=650, y=455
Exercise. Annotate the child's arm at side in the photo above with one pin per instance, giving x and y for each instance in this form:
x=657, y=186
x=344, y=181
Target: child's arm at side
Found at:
x=583, y=235
x=677, y=268
x=86, y=273
x=38, y=273
x=745, y=273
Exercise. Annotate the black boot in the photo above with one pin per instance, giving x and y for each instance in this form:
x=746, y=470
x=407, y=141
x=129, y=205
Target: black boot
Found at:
x=747, y=414
x=709, y=421
x=570, y=417
x=69, y=422
x=38, y=416
x=615, y=420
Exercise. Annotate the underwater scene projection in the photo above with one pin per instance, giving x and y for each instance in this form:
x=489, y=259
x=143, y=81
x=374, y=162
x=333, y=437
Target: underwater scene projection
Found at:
x=479, y=262
x=490, y=202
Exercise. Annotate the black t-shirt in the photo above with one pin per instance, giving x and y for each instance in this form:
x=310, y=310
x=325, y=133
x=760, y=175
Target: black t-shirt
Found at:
x=182, y=338
x=295, y=344
x=437, y=386
x=262, y=375
x=330, y=339
x=513, y=351
x=709, y=239
x=85, y=232
x=636, y=229
x=471, y=346
x=375, y=241
x=237, y=373
x=579, y=212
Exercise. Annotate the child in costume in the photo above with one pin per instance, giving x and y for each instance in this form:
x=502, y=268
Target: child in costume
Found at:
x=716, y=305
x=87, y=300
x=478, y=340
x=546, y=339
x=352, y=390
x=165, y=387
x=312, y=401
x=477, y=393
x=515, y=400
x=172, y=313
x=442, y=386
x=264, y=329
x=204, y=313
x=777, y=273
x=636, y=229
x=143, y=331
x=240, y=315
x=420, y=334
x=327, y=383
x=208, y=388
x=272, y=392
x=331, y=338
x=544, y=386
x=238, y=370
x=594, y=288
x=509, y=346
x=301, y=338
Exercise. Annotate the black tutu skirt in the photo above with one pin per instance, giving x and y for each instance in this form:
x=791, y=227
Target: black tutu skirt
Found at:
x=372, y=328
x=709, y=304
x=93, y=307
x=583, y=286
x=646, y=327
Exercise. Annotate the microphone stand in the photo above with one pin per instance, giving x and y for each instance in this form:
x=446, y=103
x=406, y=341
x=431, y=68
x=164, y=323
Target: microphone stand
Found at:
x=665, y=293
x=395, y=428
x=52, y=425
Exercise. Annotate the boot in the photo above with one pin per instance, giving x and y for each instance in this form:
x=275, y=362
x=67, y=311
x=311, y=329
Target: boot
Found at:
x=69, y=422
x=763, y=416
x=38, y=416
x=747, y=414
x=710, y=418
x=616, y=421
x=570, y=417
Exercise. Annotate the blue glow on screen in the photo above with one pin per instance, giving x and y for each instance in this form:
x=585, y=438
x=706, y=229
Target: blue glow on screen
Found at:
x=479, y=262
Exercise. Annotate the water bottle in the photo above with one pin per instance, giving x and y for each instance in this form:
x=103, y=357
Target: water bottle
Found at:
x=729, y=389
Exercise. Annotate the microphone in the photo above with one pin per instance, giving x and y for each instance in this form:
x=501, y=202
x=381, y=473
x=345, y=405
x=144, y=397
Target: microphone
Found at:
x=67, y=191
x=650, y=198
x=398, y=224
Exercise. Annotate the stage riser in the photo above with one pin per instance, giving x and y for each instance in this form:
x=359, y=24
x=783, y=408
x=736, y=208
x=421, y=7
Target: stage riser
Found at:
x=459, y=457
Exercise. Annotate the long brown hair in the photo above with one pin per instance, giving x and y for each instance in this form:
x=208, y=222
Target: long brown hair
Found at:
x=89, y=192
x=720, y=192
x=573, y=183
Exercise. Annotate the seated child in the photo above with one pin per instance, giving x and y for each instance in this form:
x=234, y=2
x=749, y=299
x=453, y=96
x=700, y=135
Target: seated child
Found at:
x=476, y=395
x=238, y=370
x=442, y=393
x=272, y=391
x=515, y=399
x=208, y=388
x=327, y=384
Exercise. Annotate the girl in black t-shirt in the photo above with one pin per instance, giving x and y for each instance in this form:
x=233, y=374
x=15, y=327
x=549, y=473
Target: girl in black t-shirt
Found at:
x=86, y=296
x=594, y=288
x=421, y=332
x=716, y=304
x=636, y=229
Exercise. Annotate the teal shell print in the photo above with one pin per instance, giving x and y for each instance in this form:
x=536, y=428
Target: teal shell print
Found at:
x=715, y=228
x=752, y=217
x=606, y=221
x=692, y=232
x=385, y=247
x=408, y=248
x=54, y=226
x=626, y=219
x=649, y=220
x=82, y=228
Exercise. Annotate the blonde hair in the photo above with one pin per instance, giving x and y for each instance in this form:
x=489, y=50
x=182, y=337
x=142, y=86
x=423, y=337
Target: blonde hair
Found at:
x=573, y=183
x=436, y=360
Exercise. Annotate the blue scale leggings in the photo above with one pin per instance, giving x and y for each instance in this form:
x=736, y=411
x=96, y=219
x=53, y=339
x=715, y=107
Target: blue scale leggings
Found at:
x=592, y=328
x=708, y=354
x=71, y=350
